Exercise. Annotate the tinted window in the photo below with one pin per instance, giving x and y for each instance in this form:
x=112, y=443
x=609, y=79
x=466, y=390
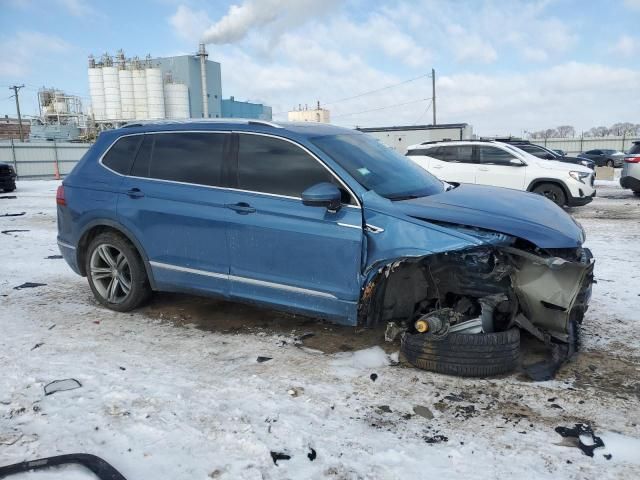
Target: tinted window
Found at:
x=187, y=157
x=494, y=155
x=421, y=151
x=271, y=165
x=635, y=148
x=593, y=152
x=377, y=167
x=120, y=156
x=143, y=158
x=457, y=154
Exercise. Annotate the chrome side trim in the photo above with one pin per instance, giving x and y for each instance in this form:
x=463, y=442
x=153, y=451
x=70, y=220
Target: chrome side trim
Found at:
x=178, y=268
x=66, y=245
x=235, y=278
x=373, y=228
x=100, y=162
x=350, y=226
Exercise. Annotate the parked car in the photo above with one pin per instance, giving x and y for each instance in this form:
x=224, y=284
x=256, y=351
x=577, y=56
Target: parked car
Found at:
x=7, y=177
x=560, y=152
x=546, y=153
x=502, y=165
x=328, y=222
x=630, y=176
x=604, y=157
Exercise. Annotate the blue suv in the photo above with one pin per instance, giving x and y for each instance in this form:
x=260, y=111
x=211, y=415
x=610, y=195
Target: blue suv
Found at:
x=324, y=221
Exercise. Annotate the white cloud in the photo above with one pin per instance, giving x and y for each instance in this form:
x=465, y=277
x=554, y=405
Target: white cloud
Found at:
x=632, y=4
x=468, y=47
x=189, y=24
x=77, y=8
x=535, y=54
x=24, y=49
x=625, y=46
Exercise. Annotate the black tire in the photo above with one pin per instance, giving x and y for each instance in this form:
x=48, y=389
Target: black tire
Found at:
x=610, y=163
x=636, y=193
x=464, y=354
x=139, y=290
x=553, y=192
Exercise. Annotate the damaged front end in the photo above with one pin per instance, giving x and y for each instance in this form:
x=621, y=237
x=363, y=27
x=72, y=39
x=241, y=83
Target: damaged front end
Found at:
x=501, y=283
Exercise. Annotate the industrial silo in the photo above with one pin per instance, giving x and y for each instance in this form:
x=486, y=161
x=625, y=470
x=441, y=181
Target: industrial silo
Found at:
x=155, y=93
x=125, y=75
x=96, y=89
x=113, y=108
x=139, y=91
x=176, y=101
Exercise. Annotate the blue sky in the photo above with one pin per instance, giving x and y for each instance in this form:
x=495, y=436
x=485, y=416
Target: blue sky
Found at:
x=504, y=67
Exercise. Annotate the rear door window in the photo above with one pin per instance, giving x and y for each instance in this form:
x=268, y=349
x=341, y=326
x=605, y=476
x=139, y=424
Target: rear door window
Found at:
x=271, y=165
x=635, y=148
x=189, y=157
x=120, y=156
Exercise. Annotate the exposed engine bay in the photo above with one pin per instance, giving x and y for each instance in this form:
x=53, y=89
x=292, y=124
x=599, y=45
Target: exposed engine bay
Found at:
x=505, y=284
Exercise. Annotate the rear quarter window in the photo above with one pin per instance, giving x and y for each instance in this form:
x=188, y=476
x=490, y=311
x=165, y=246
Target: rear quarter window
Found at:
x=635, y=148
x=120, y=156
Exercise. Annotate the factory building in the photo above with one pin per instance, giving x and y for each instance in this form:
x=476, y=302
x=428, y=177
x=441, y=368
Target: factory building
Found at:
x=185, y=86
x=400, y=137
x=232, y=108
x=305, y=114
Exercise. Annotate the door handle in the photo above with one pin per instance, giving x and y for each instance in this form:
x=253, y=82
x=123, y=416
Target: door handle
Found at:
x=135, y=193
x=242, y=208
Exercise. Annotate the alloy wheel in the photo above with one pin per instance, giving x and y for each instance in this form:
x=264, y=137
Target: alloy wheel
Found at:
x=110, y=273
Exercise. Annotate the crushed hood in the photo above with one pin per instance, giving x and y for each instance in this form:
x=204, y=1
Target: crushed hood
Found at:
x=520, y=214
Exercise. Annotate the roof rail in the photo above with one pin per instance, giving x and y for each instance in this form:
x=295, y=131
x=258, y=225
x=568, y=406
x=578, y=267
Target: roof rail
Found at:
x=458, y=140
x=246, y=121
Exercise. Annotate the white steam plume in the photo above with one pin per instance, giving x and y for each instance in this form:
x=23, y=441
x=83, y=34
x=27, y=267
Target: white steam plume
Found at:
x=241, y=19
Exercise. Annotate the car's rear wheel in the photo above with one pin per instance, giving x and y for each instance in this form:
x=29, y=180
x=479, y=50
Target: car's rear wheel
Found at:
x=115, y=272
x=552, y=192
x=636, y=193
x=464, y=354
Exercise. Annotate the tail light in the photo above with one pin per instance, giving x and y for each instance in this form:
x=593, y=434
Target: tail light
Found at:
x=632, y=159
x=60, y=200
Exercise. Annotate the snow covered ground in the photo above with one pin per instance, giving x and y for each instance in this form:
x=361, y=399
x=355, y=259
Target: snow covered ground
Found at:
x=175, y=391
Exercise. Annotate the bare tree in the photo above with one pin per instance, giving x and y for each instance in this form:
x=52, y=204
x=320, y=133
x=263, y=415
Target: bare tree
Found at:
x=566, y=131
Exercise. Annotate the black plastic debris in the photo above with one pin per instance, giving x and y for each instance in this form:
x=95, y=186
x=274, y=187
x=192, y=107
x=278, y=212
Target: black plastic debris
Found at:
x=13, y=214
x=312, y=454
x=373, y=377
x=275, y=456
x=54, y=257
x=7, y=232
x=306, y=335
x=101, y=469
x=61, y=386
x=607, y=456
x=8, y=197
x=436, y=439
x=29, y=285
x=263, y=359
x=384, y=409
x=37, y=345
x=578, y=431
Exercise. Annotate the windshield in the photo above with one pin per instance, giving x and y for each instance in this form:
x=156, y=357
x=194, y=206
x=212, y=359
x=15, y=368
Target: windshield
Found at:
x=379, y=168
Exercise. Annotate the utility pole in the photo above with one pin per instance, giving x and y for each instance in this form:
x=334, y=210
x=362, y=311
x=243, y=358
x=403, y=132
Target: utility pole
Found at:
x=15, y=89
x=433, y=93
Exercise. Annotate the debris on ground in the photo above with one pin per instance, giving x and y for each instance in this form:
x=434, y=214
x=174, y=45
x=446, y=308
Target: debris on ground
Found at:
x=61, y=386
x=7, y=232
x=423, y=412
x=8, y=197
x=373, y=377
x=54, y=257
x=384, y=409
x=312, y=454
x=13, y=214
x=279, y=456
x=435, y=439
x=37, y=345
x=29, y=285
x=584, y=437
x=263, y=359
x=295, y=391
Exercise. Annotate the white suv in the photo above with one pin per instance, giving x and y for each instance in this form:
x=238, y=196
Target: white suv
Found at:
x=503, y=165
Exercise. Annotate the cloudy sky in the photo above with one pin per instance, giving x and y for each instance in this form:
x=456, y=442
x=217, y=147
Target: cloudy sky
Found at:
x=504, y=67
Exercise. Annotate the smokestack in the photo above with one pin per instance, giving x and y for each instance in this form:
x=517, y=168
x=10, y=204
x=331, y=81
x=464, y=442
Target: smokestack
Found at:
x=202, y=53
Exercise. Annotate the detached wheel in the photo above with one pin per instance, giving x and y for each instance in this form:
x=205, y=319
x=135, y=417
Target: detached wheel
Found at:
x=552, y=192
x=115, y=272
x=464, y=354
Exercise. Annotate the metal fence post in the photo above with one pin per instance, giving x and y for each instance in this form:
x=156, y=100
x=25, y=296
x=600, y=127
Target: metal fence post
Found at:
x=13, y=154
x=624, y=136
x=56, y=166
x=581, y=140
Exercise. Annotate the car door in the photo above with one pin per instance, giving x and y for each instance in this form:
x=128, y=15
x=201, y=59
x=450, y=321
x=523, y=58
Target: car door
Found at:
x=495, y=167
x=282, y=251
x=173, y=204
x=454, y=163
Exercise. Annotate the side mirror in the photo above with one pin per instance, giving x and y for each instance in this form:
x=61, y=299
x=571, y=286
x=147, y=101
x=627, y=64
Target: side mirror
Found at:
x=516, y=163
x=323, y=194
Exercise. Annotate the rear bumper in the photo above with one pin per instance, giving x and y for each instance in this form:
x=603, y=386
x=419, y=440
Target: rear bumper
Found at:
x=8, y=181
x=68, y=252
x=631, y=183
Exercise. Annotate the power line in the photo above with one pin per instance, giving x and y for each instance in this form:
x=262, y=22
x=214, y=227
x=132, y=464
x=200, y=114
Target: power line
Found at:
x=382, y=108
x=426, y=109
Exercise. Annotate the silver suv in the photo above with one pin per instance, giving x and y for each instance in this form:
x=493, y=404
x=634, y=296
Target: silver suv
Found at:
x=630, y=177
